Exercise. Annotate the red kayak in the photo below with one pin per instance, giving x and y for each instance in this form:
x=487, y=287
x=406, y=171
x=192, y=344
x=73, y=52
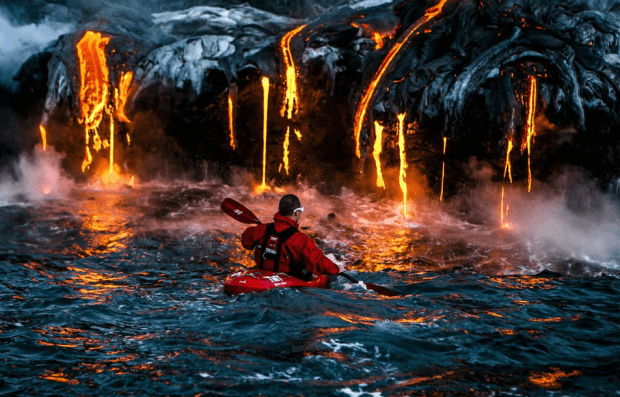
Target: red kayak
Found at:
x=263, y=280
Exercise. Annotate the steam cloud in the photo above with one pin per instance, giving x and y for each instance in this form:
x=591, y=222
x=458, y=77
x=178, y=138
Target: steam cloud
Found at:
x=19, y=42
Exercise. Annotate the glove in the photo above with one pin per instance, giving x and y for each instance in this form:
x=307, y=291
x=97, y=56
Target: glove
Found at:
x=340, y=265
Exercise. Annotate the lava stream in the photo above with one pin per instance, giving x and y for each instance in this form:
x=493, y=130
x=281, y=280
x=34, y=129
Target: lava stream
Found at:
x=362, y=108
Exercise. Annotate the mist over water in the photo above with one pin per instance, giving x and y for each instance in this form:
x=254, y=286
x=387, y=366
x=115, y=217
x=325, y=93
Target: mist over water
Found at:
x=19, y=42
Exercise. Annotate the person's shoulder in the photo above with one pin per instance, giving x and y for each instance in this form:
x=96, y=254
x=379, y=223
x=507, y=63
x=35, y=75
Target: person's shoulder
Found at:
x=300, y=236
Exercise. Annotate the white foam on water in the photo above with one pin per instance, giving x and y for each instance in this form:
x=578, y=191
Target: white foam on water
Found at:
x=336, y=346
x=349, y=392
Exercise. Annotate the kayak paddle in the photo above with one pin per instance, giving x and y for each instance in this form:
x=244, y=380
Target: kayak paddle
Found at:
x=240, y=213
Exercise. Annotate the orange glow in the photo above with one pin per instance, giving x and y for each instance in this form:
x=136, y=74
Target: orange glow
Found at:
x=265, y=83
x=507, y=166
x=120, y=96
x=443, y=168
x=402, y=178
x=94, y=81
x=58, y=377
x=377, y=37
x=286, y=143
x=111, y=169
x=43, y=136
x=362, y=108
x=298, y=134
x=88, y=159
x=524, y=282
x=551, y=380
x=376, y=153
x=231, y=128
x=94, y=78
x=504, y=224
x=291, y=99
x=531, y=131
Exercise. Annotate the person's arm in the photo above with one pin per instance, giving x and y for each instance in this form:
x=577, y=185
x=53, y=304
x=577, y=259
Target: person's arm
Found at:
x=250, y=237
x=314, y=259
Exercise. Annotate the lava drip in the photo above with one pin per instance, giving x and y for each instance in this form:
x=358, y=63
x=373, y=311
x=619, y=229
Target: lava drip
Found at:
x=363, y=105
x=443, y=168
x=231, y=115
x=291, y=99
x=376, y=153
x=530, y=128
x=402, y=178
x=286, y=152
x=43, y=136
x=503, y=214
x=265, y=84
x=507, y=165
x=94, y=82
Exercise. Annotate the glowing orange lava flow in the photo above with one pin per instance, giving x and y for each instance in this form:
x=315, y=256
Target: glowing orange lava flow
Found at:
x=120, y=96
x=291, y=100
x=377, y=37
x=111, y=169
x=362, y=107
x=504, y=224
x=443, y=168
x=94, y=81
x=286, y=144
x=43, y=136
x=507, y=166
x=531, y=132
x=402, y=179
x=231, y=128
x=376, y=153
x=265, y=83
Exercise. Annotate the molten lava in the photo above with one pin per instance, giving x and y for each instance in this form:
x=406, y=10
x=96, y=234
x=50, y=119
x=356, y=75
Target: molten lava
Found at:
x=265, y=83
x=291, y=99
x=95, y=100
x=377, y=37
x=43, y=136
x=120, y=96
x=503, y=214
x=507, y=166
x=531, y=132
x=231, y=128
x=111, y=145
x=94, y=82
x=402, y=179
x=376, y=153
x=286, y=144
x=443, y=168
x=362, y=108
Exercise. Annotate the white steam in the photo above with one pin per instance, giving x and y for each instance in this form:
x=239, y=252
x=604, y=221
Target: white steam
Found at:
x=39, y=177
x=18, y=43
x=576, y=222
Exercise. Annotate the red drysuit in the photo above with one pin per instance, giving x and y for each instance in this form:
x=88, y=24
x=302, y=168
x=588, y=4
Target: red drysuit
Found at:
x=297, y=250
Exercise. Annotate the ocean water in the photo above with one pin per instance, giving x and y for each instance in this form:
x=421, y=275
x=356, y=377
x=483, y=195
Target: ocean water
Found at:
x=120, y=293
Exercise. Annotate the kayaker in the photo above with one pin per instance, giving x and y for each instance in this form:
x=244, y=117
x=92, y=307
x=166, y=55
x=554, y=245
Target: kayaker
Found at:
x=281, y=247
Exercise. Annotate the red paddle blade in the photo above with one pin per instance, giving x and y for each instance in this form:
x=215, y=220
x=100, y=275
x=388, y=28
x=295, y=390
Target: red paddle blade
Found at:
x=238, y=212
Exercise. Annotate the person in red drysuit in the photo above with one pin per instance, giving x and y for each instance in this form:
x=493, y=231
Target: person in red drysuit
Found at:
x=281, y=247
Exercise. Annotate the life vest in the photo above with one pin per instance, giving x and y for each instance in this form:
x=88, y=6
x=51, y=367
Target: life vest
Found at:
x=269, y=256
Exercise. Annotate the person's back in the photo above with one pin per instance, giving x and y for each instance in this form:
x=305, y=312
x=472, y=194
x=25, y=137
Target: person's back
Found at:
x=281, y=247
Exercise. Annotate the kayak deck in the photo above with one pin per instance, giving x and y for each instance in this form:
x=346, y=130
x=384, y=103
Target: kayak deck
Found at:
x=263, y=280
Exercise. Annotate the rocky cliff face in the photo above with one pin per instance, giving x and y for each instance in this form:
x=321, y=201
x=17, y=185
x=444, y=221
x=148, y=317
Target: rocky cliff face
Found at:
x=496, y=79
